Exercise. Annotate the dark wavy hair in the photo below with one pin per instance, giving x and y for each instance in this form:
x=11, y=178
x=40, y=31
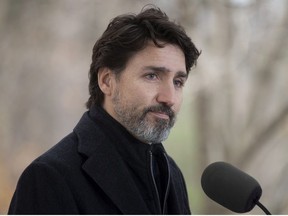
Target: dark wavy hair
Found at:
x=128, y=34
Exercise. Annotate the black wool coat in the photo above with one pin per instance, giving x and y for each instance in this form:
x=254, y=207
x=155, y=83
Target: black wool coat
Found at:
x=86, y=174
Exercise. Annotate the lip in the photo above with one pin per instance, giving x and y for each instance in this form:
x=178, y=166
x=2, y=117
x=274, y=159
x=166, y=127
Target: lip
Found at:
x=160, y=115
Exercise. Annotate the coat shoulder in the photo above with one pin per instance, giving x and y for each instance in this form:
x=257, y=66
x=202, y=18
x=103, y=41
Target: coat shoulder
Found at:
x=64, y=153
x=42, y=187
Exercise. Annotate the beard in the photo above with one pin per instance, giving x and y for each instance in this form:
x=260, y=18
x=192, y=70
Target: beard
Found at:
x=136, y=121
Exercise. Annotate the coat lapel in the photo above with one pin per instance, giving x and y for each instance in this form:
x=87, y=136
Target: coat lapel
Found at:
x=105, y=166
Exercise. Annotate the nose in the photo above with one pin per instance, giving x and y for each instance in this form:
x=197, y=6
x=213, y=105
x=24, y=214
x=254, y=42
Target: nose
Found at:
x=167, y=95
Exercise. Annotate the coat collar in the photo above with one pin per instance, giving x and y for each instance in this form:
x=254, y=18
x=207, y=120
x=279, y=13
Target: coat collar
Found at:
x=105, y=166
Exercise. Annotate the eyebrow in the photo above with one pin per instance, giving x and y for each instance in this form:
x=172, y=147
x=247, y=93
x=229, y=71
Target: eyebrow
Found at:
x=181, y=74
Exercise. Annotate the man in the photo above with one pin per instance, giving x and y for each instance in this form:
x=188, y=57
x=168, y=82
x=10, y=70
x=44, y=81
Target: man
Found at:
x=113, y=162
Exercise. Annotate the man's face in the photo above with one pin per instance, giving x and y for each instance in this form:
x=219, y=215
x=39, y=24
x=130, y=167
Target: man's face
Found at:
x=148, y=94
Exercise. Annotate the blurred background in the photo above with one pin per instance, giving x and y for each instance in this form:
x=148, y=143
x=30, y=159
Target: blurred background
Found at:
x=236, y=100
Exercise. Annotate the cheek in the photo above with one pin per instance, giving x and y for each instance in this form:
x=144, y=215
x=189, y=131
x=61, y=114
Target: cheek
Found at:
x=141, y=94
x=142, y=98
x=132, y=96
x=178, y=103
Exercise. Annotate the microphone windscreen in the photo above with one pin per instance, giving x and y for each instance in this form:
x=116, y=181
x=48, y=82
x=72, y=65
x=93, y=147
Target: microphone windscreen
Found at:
x=230, y=187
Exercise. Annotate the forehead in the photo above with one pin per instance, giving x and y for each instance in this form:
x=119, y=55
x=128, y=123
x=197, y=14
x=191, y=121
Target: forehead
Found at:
x=170, y=56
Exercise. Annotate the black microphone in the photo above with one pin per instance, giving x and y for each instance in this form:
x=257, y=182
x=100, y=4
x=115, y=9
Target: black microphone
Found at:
x=231, y=187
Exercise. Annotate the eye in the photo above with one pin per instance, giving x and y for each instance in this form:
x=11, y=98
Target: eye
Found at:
x=151, y=76
x=179, y=83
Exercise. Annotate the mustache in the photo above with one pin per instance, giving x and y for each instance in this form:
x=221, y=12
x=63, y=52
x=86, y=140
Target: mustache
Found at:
x=161, y=108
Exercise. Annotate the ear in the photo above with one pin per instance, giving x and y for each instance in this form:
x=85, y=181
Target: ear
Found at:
x=105, y=80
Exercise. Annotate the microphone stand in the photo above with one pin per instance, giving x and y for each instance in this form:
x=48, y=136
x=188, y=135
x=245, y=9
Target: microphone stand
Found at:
x=263, y=207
